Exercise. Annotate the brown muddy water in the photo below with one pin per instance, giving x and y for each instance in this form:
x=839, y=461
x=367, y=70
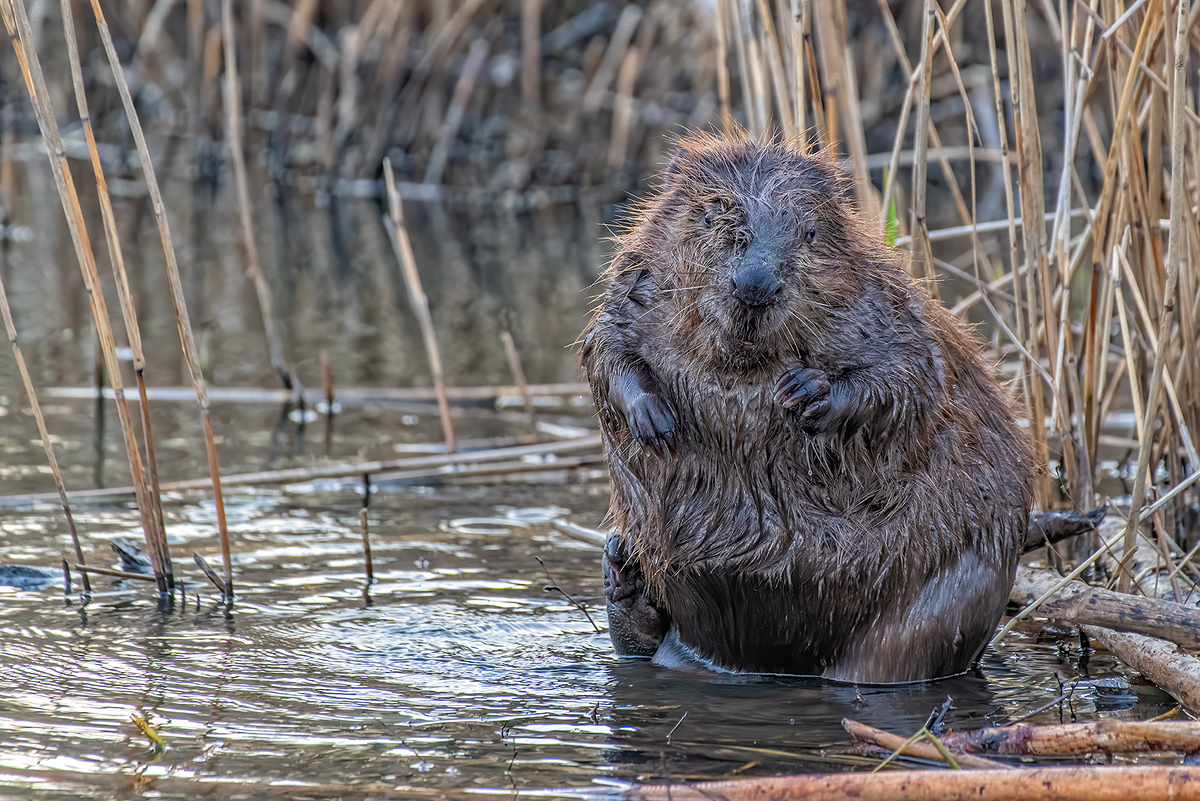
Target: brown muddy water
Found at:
x=458, y=672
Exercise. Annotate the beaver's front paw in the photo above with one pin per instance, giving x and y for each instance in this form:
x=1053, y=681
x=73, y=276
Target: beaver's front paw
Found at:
x=651, y=420
x=806, y=390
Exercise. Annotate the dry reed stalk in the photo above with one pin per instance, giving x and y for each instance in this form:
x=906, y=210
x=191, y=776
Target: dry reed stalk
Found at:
x=186, y=336
x=614, y=54
x=17, y=24
x=349, y=394
x=775, y=63
x=212, y=575
x=492, y=471
x=517, y=372
x=1173, y=258
x=531, y=53
x=326, y=367
x=742, y=40
x=394, y=223
x=364, y=529
x=1120, y=123
x=723, y=68
x=195, y=60
x=623, y=109
x=890, y=172
x=298, y=474
x=458, y=108
x=800, y=16
x=940, y=150
x=11, y=329
x=121, y=279
x=107, y=571
x=356, y=40
x=839, y=56
x=298, y=25
x=825, y=136
x=1029, y=171
x=1153, y=339
x=7, y=190
x=233, y=114
x=922, y=254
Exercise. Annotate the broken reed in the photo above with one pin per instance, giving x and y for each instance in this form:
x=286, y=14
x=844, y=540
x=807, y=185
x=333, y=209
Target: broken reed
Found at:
x=125, y=297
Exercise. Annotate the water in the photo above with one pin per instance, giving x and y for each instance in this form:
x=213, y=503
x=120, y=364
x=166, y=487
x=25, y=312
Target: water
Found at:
x=458, y=672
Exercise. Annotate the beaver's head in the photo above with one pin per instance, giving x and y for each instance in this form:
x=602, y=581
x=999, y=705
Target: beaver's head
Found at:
x=755, y=245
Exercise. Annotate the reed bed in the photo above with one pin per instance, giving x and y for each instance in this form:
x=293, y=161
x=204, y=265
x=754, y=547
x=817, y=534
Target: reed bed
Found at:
x=1080, y=114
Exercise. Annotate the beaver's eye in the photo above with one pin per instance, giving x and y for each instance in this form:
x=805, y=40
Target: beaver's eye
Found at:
x=810, y=235
x=708, y=219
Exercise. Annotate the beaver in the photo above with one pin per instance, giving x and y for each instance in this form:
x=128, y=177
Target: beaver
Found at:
x=814, y=470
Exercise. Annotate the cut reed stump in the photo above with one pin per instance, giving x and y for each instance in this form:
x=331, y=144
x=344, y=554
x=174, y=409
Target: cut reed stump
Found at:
x=1083, y=783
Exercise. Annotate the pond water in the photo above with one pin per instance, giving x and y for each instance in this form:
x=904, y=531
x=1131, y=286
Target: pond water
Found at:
x=458, y=672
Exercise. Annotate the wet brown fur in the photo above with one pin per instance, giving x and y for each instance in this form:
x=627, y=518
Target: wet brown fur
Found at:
x=874, y=542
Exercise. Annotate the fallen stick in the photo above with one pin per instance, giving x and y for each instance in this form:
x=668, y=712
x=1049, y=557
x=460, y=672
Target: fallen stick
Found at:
x=1081, y=783
x=1081, y=604
x=353, y=396
x=922, y=750
x=107, y=571
x=298, y=474
x=1098, y=736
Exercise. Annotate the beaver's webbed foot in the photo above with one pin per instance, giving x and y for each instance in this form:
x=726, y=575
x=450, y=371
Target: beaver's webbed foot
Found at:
x=635, y=622
x=805, y=389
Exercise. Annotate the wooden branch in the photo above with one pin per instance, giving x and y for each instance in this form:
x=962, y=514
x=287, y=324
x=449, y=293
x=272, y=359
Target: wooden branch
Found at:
x=1082, y=783
x=1082, y=605
x=1098, y=736
x=923, y=750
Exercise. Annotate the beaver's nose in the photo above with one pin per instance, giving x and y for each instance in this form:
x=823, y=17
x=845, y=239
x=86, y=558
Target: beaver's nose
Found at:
x=756, y=286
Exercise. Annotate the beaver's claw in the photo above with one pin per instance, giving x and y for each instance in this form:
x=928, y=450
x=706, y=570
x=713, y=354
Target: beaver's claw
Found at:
x=805, y=389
